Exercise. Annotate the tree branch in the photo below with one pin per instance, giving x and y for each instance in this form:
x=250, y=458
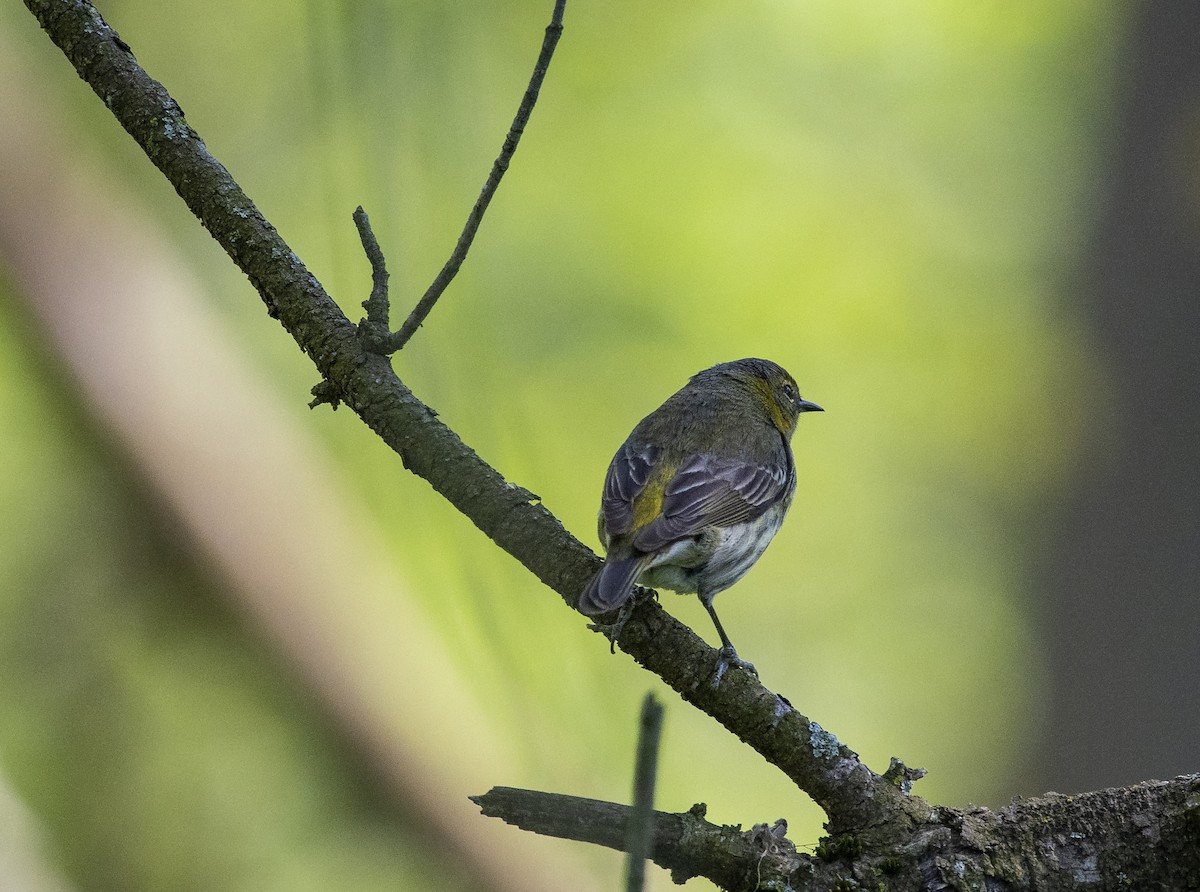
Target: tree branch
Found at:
x=377, y=304
x=507, y=513
x=684, y=843
x=499, y=167
x=1140, y=837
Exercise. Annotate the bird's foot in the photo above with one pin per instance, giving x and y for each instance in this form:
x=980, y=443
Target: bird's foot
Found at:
x=727, y=657
x=612, y=631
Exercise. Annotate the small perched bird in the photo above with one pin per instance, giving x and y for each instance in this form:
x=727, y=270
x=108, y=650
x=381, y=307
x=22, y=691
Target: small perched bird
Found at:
x=698, y=490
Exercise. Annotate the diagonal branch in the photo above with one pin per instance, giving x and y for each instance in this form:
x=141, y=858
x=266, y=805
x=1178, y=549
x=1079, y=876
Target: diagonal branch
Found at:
x=499, y=167
x=852, y=795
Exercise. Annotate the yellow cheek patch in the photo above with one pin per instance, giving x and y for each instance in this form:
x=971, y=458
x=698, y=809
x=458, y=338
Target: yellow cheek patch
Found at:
x=764, y=390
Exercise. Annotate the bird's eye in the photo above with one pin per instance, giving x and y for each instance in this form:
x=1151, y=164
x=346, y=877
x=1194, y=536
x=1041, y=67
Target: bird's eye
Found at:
x=789, y=391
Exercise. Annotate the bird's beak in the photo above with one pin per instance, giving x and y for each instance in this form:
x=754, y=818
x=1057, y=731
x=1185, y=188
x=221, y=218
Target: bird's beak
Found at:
x=806, y=406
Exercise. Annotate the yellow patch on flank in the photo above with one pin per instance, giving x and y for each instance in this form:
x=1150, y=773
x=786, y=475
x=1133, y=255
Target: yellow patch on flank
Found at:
x=647, y=504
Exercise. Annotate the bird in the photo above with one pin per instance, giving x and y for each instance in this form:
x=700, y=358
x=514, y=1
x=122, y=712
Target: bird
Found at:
x=697, y=491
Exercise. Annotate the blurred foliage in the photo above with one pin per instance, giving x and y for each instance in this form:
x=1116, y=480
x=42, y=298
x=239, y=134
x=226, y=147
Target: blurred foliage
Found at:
x=885, y=198
x=160, y=739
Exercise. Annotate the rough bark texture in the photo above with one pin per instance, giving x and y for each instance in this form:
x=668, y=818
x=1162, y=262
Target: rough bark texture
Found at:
x=1137, y=838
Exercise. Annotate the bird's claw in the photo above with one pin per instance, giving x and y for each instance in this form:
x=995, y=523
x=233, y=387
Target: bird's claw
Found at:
x=612, y=631
x=727, y=657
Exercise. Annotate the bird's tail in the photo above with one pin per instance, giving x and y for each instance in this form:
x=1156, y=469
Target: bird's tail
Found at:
x=611, y=586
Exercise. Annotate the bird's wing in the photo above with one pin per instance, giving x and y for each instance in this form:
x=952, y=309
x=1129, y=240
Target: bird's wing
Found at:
x=627, y=476
x=707, y=491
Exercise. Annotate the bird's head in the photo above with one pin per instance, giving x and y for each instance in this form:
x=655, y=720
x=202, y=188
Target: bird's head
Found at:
x=771, y=387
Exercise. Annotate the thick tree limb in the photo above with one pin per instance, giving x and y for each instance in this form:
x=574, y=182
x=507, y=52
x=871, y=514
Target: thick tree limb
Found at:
x=1141, y=837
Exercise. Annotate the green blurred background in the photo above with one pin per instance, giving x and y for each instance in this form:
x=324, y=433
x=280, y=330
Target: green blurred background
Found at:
x=242, y=648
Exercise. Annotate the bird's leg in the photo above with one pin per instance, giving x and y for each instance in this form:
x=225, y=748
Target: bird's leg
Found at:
x=727, y=656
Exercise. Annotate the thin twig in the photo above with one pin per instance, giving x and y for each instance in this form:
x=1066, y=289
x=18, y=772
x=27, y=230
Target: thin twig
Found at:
x=377, y=304
x=645, y=774
x=450, y=270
